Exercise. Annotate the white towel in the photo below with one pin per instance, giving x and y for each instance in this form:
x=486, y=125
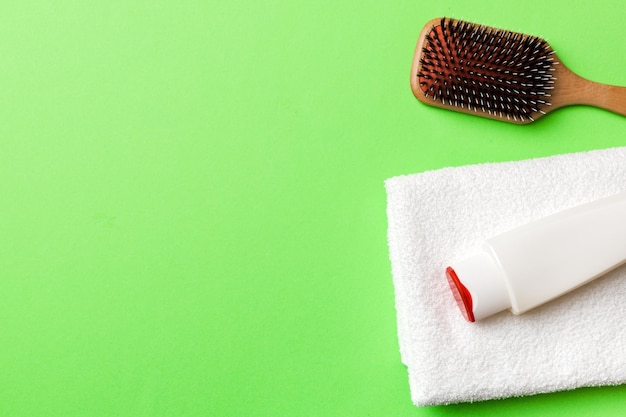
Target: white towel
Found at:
x=440, y=216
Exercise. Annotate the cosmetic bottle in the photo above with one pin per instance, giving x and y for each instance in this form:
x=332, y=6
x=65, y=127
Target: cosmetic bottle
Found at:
x=537, y=262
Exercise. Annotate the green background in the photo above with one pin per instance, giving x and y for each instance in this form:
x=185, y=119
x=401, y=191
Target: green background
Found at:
x=192, y=202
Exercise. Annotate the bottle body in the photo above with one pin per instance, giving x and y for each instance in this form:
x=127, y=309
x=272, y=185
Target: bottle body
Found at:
x=542, y=260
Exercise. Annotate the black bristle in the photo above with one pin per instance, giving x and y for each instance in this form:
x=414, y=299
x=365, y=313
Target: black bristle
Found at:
x=501, y=73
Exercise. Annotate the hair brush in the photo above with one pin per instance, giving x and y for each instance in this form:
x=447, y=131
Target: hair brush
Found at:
x=499, y=74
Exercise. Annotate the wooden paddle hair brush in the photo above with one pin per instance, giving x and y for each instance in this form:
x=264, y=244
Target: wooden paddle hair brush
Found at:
x=499, y=74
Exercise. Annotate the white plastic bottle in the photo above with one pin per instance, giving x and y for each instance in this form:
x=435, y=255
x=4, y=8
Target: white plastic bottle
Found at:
x=535, y=263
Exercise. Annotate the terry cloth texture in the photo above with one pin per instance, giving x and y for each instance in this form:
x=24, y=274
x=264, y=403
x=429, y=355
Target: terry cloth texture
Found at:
x=437, y=217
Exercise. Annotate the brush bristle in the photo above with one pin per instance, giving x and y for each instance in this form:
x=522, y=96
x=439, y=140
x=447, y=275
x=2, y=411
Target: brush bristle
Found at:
x=497, y=72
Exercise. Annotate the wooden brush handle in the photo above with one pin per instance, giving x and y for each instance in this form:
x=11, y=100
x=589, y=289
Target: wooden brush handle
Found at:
x=573, y=89
x=608, y=97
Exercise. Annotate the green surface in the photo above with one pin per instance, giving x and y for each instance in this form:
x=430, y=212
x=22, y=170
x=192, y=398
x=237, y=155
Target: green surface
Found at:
x=193, y=213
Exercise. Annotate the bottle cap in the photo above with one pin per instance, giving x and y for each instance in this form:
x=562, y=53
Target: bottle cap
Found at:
x=478, y=285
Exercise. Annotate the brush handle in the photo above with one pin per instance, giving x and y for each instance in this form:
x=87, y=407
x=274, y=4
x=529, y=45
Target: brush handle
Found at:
x=608, y=97
x=574, y=89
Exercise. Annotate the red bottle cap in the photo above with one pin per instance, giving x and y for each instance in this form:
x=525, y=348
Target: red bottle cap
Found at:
x=461, y=295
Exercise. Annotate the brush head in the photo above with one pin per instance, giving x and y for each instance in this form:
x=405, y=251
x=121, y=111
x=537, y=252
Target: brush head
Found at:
x=485, y=71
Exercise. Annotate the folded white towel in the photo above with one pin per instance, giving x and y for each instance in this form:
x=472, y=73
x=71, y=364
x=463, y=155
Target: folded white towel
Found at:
x=440, y=216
